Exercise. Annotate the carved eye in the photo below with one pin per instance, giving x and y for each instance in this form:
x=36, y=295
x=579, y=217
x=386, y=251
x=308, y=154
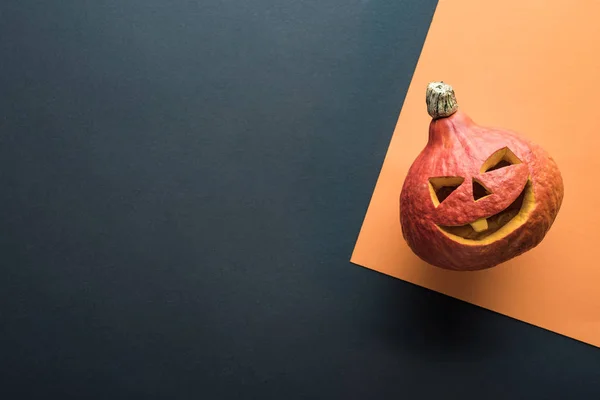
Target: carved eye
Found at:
x=500, y=159
x=442, y=187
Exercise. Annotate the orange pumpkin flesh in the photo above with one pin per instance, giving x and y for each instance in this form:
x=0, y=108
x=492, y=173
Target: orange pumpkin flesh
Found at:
x=476, y=196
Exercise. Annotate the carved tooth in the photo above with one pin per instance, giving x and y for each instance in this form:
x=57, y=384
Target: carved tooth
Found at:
x=480, y=225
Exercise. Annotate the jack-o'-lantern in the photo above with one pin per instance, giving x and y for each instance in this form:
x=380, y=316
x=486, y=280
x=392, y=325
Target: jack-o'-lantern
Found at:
x=475, y=196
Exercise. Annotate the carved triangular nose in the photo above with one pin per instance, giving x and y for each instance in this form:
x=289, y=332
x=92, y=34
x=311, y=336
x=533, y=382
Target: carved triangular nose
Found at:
x=479, y=191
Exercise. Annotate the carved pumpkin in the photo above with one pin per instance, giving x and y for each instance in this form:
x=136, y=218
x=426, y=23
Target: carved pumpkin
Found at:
x=475, y=196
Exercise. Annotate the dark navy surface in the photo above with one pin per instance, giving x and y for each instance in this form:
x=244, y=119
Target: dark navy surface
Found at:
x=182, y=184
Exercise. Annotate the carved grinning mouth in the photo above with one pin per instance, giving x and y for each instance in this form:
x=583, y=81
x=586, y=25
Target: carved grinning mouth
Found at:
x=496, y=221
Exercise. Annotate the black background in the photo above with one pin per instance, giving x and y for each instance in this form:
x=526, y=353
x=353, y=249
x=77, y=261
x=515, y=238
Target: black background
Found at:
x=182, y=186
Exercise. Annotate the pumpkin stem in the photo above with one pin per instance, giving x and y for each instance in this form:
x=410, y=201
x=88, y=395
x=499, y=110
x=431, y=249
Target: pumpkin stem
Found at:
x=441, y=100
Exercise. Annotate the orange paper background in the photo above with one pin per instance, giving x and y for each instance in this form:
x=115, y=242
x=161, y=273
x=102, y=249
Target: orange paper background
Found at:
x=531, y=66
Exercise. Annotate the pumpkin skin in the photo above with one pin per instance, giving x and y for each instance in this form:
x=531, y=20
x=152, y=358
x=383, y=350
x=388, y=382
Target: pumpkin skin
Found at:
x=476, y=196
